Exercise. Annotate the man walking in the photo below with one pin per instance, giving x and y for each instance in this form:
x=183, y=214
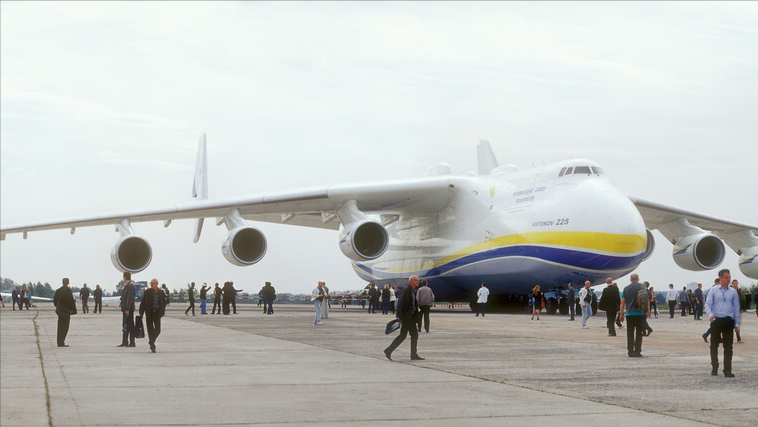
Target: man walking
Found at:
x=98, y=297
x=671, y=297
x=65, y=306
x=127, y=312
x=585, y=297
x=571, y=297
x=317, y=296
x=15, y=299
x=425, y=298
x=481, y=301
x=699, y=302
x=153, y=306
x=683, y=300
x=610, y=302
x=203, y=297
x=406, y=311
x=84, y=295
x=216, y=299
x=269, y=293
x=635, y=316
x=191, y=297
x=723, y=310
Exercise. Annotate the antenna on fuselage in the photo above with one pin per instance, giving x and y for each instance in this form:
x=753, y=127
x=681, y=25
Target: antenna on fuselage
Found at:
x=485, y=157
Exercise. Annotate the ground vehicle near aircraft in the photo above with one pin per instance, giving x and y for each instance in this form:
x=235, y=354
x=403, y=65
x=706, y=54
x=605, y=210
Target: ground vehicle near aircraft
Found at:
x=509, y=228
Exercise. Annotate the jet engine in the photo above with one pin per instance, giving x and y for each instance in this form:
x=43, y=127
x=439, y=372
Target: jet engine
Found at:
x=698, y=252
x=131, y=253
x=244, y=245
x=363, y=240
x=650, y=245
x=749, y=262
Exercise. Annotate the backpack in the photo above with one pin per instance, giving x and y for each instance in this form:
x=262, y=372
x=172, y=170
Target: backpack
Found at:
x=643, y=300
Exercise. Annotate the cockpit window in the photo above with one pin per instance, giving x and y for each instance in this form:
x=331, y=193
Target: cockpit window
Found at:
x=582, y=170
x=568, y=171
x=597, y=170
x=562, y=172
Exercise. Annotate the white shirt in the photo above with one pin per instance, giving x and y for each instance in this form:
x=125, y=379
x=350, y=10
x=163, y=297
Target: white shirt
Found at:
x=582, y=294
x=483, y=294
x=671, y=295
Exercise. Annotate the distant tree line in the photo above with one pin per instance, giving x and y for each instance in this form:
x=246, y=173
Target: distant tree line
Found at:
x=44, y=290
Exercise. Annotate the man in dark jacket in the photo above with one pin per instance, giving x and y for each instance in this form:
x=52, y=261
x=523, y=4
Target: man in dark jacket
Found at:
x=610, y=303
x=15, y=299
x=84, y=296
x=216, y=299
x=228, y=295
x=406, y=311
x=371, y=298
x=234, y=298
x=98, y=296
x=269, y=293
x=65, y=306
x=191, y=297
x=152, y=308
x=127, y=312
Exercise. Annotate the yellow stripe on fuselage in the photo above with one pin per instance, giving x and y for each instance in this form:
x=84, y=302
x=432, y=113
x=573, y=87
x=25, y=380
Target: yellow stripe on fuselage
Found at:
x=621, y=244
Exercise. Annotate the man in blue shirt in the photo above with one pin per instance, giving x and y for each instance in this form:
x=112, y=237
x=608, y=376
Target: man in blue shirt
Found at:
x=722, y=306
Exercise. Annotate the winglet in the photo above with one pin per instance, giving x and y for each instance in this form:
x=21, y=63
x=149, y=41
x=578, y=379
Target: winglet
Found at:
x=200, y=184
x=486, y=157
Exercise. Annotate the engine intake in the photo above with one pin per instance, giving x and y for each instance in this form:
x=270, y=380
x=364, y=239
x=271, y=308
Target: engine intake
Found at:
x=131, y=253
x=364, y=240
x=650, y=245
x=244, y=245
x=699, y=252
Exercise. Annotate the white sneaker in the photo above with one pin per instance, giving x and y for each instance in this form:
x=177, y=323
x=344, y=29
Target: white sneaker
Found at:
x=319, y=323
x=585, y=327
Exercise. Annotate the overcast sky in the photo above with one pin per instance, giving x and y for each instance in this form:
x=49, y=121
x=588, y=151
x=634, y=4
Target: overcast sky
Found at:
x=102, y=105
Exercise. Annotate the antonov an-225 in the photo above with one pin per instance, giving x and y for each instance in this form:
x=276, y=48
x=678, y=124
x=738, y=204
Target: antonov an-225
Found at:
x=511, y=229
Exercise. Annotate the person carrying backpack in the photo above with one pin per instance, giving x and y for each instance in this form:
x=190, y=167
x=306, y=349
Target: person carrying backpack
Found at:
x=632, y=306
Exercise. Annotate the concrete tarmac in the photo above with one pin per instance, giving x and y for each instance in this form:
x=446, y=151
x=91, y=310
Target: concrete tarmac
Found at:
x=251, y=369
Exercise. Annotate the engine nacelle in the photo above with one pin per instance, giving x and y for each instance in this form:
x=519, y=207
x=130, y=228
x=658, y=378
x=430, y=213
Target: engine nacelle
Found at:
x=749, y=262
x=131, y=253
x=244, y=245
x=699, y=252
x=650, y=245
x=363, y=240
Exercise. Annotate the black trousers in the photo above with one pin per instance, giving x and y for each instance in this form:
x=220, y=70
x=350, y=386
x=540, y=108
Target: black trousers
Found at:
x=424, y=316
x=216, y=303
x=127, y=328
x=234, y=305
x=153, y=325
x=63, y=324
x=722, y=328
x=191, y=307
x=98, y=305
x=672, y=308
x=610, y=322
x=408, y=327
x=226, y=305
x=634, y=328
x=684, y=308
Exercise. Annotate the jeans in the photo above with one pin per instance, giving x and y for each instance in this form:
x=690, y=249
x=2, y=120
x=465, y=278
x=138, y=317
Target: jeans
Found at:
x=586, y=313
x=480, y=308
x=202, y=306
x=634, y=327
x=572, y=309
x=684, y=307
x=318, y=304
x=385, y=305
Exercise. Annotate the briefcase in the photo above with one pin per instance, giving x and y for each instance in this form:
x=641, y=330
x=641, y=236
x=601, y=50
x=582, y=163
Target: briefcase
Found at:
x=139, y=328
x=392, y=326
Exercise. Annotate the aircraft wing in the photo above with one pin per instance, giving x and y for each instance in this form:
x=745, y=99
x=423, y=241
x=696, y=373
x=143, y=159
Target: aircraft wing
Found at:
x=314, y=207
x=674, y=223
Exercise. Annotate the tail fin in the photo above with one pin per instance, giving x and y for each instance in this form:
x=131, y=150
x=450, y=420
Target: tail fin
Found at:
x=200, y=184
x=486, y=157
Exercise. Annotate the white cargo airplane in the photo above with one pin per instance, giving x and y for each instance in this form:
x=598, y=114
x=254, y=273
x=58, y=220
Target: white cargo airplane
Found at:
x=512, y=229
